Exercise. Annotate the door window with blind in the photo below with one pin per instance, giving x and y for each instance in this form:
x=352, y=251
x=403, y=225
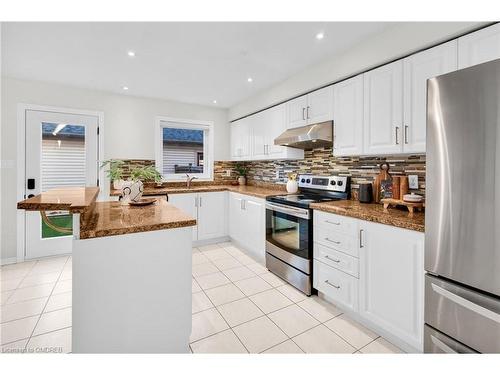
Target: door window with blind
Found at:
x=184, y=148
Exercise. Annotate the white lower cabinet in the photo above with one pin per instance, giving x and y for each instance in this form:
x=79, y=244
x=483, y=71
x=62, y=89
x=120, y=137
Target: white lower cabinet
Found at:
x=375, y=273
x=209, y=209
x=247, y=223
x=391, y=281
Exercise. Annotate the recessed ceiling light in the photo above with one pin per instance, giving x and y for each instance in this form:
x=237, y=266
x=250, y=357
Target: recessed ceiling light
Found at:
x=249, y=79
x=125, y=88
x=215, y=102
x=320, y=36
x=131, y=54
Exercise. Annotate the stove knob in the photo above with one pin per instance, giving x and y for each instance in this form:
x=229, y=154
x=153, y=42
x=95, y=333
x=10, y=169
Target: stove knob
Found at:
x=303, y=180
x=340, y=183
x=308, y=180
x=333, y=182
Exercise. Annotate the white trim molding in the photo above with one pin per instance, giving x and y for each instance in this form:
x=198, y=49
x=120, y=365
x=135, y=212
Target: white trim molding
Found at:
x=22, y=108
x=208, y=145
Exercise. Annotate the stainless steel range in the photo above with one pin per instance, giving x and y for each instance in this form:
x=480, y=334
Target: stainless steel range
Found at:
x=289, y=227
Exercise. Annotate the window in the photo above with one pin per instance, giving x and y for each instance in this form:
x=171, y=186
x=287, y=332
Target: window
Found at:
x=184, y=147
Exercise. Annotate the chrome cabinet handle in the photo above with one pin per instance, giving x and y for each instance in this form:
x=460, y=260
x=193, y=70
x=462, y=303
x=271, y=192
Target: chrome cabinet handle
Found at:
x=406, y=134
x=331, y=222
x=333, y=260
x=199, y=201
x=441, y=345
x=361, y=231
x=329, y=240
x=329, y=283
x=303, y=113
x=397, y=135
x=307, y=112
x=241, y=204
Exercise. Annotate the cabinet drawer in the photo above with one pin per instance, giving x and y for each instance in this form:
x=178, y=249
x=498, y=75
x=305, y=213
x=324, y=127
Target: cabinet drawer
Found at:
x=336, y=241
x=337, y=285
x=336, y=259
x=337, y=223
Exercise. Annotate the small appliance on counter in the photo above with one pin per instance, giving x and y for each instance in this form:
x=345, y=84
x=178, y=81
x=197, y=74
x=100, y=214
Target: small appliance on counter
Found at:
x=289, y=227
x=365, y=194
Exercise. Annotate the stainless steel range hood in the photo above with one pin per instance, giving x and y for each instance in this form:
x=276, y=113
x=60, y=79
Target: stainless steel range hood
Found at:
x=307, y=137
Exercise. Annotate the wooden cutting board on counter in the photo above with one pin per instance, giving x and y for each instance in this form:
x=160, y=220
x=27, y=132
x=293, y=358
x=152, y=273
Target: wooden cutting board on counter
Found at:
x=383, y=175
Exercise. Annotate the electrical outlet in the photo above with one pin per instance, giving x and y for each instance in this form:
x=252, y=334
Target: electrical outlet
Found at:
x=228, y=173
x=413, y=181
x=277, y=175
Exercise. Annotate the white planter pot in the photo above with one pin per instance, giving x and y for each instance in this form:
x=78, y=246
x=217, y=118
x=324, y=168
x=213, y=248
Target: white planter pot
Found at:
x=242, y=180
x=118, y=184
x=132, y=191
x=292, y=186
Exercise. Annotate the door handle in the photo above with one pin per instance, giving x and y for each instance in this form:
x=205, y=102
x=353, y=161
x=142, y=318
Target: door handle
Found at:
x=329, y=240
x=303, y=113
x=199, y=201
x=331, y=222
x=361, y=231
x=406, y=134
x=441, y=345
x=329, y=283
x=397, y=135
x=307, y=112
x=333, y=260
x=466, y=303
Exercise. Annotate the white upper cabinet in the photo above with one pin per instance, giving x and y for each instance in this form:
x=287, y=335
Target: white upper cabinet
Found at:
x=418, y=69
x=320, y=105
x=252, y=138
x=296, y=112
x=479, y=47
x=312, y=108
x=383, y=109
x=348, y=117
x=241, y=134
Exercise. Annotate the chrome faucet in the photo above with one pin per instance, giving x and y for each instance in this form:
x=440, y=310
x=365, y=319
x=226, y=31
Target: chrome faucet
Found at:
x=188, y=180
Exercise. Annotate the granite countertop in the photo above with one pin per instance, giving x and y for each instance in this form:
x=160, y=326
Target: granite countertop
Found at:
x=256, y=191
x=374, y=212
x=113, y=218
x=72, y=199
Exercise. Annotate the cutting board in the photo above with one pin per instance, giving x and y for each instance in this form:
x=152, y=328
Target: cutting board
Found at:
x=383, y=175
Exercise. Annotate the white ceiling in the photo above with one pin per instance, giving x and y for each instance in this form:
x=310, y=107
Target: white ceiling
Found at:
x=186, y=62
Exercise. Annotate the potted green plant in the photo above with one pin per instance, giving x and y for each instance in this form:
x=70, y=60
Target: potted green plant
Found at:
x=114, y=172
x=242, y=171
x=146, y=174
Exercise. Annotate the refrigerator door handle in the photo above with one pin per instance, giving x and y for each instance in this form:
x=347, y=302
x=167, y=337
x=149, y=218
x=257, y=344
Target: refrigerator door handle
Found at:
x=466, y=303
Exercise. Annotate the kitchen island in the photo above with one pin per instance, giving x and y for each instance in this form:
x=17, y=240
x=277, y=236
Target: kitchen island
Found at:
x=131, y=273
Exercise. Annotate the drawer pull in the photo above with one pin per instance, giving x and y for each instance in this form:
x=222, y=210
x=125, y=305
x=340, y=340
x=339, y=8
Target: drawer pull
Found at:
x=329, y=240
x=329, y=283
x=333, y=260
x=331, y=222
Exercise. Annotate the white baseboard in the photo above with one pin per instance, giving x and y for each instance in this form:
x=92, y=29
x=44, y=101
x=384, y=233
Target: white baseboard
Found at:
x=211, y=241
x=6, y=261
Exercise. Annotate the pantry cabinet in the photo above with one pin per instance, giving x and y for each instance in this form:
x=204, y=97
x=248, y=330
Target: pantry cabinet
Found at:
x=209, y=210
x=418, y=68
x=479, y=47
x=247, y=223
x=391, y=280
x=312, y=108
x=383, y=109
x=348, y=117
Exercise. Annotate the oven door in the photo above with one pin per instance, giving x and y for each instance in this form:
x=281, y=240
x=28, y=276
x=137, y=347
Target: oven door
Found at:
x=289, y=235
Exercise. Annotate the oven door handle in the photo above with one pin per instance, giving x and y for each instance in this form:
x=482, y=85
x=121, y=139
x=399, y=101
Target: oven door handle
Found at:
x=298, y=212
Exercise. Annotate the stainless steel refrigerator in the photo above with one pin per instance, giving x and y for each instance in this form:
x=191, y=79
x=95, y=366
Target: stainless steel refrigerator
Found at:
x=462, y=220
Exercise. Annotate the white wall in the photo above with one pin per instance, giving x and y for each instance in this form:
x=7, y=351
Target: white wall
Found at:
x=394, y=43
x=128, y=131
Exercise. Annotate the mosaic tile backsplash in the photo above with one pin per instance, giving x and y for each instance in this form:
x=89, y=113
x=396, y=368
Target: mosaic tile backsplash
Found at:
x=318, y=161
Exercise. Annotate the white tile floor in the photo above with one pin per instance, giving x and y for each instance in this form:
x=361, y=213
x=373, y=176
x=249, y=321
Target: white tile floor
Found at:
x=238, y=307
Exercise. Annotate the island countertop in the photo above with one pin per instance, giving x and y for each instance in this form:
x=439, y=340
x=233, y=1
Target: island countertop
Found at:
x=113, y=218
x=72, y=199
x=374, y=212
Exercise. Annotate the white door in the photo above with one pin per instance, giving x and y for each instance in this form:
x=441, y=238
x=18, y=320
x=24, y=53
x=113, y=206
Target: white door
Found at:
x=212, y=215
x=61, y=151
x=187, y=203
x=320, y=105
x=391, y=280
x=254, y=221
x=348, y=117
x=259, y=133
x=479, y=47
x=275, y=120
x=296, y=112
x=383, y=109
x=418, y=69
x=237, y=224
